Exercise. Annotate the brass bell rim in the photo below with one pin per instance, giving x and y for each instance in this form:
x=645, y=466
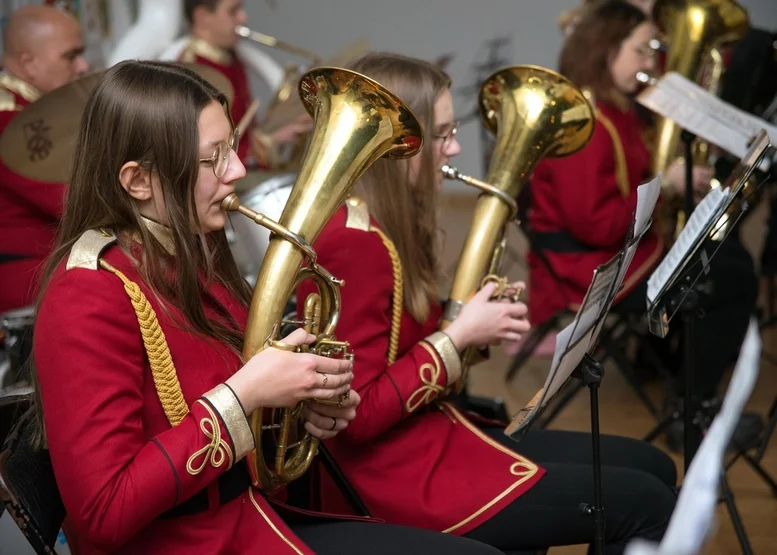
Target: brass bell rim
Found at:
x=410, y=122
x=573, y=143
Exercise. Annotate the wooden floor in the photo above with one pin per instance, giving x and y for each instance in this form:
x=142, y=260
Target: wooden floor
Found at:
x=621, y=411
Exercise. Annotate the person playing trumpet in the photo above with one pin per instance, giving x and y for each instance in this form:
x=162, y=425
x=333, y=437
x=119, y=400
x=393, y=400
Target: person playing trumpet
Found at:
x=212, y=43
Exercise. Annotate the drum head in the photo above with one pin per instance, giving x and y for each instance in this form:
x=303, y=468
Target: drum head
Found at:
x=14, y=319
x=248, y=241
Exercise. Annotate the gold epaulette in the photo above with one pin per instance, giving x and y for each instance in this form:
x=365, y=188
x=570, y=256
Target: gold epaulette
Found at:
x=87, y=249
x=13, y=84
x=358, y=214
x=7, y=101
x=198, y=47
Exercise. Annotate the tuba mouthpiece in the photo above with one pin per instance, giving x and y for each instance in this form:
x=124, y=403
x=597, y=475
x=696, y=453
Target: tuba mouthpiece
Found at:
x=449, y=172
x=643, y=77
x=230, y=203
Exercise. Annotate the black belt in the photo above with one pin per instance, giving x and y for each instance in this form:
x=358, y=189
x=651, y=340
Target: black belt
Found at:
x=5, y=257
x=232, y=483
x=558, y=241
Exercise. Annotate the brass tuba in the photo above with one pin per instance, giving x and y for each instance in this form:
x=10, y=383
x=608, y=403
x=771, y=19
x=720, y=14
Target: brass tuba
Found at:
x=534, y=113
x=694, y=31
x=357, y=121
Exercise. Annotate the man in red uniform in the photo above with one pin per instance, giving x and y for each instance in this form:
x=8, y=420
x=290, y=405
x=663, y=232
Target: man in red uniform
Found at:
x=212, y=43
x=42, y=50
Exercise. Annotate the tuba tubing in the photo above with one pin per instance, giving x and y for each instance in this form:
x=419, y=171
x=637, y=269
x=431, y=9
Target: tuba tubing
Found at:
x=356, y=122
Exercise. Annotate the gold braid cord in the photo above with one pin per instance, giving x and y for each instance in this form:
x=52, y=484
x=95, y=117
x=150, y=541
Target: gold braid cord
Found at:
x=168, y=387
x=396, y=317
x=621, y=168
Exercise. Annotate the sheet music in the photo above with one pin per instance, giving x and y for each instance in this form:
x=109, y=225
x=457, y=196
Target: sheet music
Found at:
x=603, y=282
x=707, y=209
x=647, y=197
x=564, y=364
x=693, y=518
x=702, y=113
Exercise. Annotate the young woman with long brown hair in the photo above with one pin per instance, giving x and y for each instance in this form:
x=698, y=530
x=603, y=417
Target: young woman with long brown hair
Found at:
x=582, y=205
x=138, y=339
x=411, y=455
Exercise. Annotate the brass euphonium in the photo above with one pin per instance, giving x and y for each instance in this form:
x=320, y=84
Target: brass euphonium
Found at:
x=694, y=31
x=357, y=121
x=535, y=113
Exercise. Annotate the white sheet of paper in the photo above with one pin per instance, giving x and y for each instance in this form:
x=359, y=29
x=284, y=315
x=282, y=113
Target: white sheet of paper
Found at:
x=647, y=196
x=704, y=114
x=693, y=518
x=700, y=218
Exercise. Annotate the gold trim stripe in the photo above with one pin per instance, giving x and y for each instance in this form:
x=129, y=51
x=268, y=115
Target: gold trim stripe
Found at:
x=621, y=168
x=430, y=375
x=272, y=524
x=530, y=469
x=228, y=407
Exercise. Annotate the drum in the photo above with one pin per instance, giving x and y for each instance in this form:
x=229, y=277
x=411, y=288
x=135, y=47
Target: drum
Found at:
x=248, y=241
x=17, y=344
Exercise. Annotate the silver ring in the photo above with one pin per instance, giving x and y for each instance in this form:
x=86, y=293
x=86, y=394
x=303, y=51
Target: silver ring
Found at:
x=334, y=423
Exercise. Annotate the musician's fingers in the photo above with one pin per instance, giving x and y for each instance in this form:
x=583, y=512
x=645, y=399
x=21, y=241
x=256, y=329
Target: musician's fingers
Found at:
x=315, y=431
x=325, y=422
x=325, y=365
x=346, y=412
x=517, y=310
x=329, y=394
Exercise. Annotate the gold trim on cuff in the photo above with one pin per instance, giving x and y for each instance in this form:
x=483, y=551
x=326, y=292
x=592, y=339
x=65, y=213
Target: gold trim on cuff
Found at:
x=447, y=351
x=228, y=407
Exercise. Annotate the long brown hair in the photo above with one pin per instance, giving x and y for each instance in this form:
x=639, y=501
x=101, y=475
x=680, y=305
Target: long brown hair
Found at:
x=597, y=36
x=406, y=209
x=148, y=112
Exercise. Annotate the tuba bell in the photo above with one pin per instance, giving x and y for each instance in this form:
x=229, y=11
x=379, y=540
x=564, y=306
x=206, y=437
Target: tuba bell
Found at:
x=694, y=32
x=534, y=113
x=356, y=122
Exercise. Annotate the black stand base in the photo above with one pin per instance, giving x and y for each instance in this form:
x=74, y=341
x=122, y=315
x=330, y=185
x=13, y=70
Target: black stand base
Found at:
x=686, y=301
x=591, y=373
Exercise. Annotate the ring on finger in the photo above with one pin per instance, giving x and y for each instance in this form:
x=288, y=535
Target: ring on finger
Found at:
x=326, y=378
x=334, y=423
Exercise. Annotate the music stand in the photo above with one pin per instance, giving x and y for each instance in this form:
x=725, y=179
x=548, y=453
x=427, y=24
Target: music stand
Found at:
x=671, y=289
x=576, y=343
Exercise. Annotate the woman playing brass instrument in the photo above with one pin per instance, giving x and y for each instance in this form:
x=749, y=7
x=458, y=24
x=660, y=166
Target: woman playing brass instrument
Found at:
x=582, y=205
x=137, y=343
x=411, y=455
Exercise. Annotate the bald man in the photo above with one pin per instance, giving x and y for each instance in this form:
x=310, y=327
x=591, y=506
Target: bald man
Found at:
x=42, y=50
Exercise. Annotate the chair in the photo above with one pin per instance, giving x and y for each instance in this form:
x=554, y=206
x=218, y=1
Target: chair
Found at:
x=28, y=488
x=620, y=328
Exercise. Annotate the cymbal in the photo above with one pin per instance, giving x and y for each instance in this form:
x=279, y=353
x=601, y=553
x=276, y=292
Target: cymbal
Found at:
x=39, y=142
x=288, y=110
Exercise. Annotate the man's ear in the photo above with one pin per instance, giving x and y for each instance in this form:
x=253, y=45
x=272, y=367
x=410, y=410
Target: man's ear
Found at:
x=136, y=181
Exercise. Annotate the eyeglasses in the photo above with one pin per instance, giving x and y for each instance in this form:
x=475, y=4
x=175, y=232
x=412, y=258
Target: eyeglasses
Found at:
x=448, y=137
x=220, y=159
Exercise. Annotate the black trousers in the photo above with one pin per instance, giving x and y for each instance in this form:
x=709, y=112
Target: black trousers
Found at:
x=727, y=298
x=342, y=538
x=637, y=493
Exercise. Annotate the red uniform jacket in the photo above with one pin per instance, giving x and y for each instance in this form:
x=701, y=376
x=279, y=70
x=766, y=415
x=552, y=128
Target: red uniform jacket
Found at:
x=29, y=212
x=119, y=460
x=589, y=197
x=413, y=459
x=200, y=52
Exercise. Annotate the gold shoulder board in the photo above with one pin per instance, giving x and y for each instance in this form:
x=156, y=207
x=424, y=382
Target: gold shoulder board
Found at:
x=358, y=214
x=87, y=250
x=7, y=101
